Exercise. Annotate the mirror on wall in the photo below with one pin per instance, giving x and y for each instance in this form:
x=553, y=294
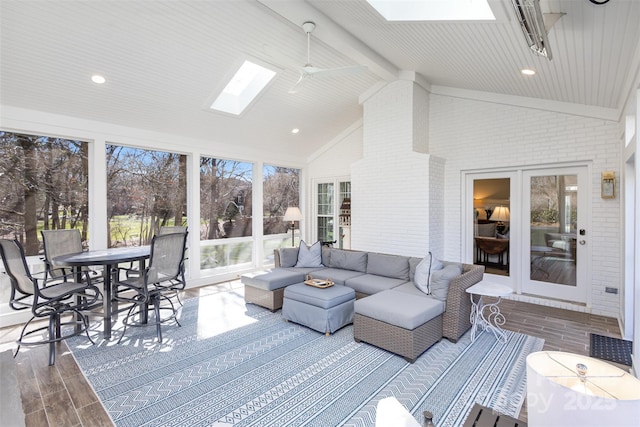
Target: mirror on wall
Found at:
x=491, y=233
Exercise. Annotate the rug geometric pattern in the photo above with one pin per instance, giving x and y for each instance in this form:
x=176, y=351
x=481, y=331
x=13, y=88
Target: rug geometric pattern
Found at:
x=277, y=373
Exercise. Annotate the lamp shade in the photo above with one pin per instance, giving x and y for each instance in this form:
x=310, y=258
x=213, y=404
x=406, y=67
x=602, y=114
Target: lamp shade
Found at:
x=292, y=214
x=500, y=213
x=570, y=389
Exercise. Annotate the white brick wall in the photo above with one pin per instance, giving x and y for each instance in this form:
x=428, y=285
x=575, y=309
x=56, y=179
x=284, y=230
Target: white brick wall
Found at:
x=397, y=188
x=407, y=202
x=475, y=135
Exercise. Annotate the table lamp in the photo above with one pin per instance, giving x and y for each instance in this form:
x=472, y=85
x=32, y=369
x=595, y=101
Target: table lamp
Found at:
x=500, y=214
x=570, y=389
x=292, y=214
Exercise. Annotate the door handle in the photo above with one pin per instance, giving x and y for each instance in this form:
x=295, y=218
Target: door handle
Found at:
x=582, y=242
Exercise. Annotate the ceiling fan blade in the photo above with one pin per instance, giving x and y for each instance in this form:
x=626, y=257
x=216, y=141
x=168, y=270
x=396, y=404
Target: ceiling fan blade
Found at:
x=300, y=84
x=310, y=72
x=322, y=73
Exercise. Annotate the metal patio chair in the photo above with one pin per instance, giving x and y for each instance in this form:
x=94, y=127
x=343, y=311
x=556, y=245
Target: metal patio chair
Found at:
x=63, y=242
x=156, y=283
x=46, y=299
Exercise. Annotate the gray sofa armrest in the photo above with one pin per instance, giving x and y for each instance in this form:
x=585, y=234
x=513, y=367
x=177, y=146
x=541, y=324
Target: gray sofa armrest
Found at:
x=456, y=318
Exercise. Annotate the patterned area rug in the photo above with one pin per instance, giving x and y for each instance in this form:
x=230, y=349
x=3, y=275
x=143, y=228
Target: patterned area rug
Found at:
x=271, y=372
x=611, y=349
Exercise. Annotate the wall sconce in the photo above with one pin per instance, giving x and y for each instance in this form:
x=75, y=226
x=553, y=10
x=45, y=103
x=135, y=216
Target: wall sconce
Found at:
x=608, y=185
x=500, y=214
x=292, y=214
x=589, y=392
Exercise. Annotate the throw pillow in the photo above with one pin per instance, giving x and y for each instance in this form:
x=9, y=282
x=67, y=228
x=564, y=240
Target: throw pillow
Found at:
x=423, y=270
x=440, y=279
x=310, y=256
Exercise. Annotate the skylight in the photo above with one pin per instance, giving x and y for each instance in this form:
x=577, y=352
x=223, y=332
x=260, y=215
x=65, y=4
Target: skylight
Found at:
x=434, y=10
x=243, y=88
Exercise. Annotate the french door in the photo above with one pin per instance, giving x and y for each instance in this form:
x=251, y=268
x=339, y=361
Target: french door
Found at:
x=555, y=233
x=329, y=196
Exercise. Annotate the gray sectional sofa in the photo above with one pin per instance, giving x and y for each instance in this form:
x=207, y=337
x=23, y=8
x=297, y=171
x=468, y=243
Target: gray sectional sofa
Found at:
x=391, y=312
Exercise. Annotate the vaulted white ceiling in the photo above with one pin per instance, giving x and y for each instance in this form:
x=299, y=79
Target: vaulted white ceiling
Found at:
x=164, y=60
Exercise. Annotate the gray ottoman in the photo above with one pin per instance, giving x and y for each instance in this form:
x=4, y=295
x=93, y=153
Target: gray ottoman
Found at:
x=324, y=310
x=266, y=288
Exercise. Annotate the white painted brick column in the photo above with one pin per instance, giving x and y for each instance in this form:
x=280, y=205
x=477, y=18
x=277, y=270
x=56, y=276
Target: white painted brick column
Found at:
x=400, y=187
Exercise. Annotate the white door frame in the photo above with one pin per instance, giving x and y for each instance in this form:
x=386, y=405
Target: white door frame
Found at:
x=580, y=293
x=519, y=253
x=468, y=221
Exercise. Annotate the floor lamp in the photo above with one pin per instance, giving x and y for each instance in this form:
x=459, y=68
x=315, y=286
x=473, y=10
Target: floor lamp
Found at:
x=571, y=389
x=292, y=214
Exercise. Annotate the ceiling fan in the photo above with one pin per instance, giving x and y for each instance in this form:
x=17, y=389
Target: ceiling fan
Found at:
x=309, y=72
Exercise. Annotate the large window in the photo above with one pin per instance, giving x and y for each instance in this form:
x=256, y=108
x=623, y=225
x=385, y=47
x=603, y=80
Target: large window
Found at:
x=43, y=185
x=226, y=190
x=281, y=188
x=145, y=190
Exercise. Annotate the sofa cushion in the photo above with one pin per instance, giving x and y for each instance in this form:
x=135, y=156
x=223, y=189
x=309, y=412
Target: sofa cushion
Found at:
x=371, y=284
x=338, y=275
x=309, y=256
x=399, y=308
x=409, y=288
x=348, y=260
x=306, y=270
x=272, y=279
x=440, y=280
x=288, y=257
x=388, y=266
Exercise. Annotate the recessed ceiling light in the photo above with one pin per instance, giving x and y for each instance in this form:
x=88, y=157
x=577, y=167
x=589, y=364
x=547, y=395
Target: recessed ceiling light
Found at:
x=527, y=72
x=98, y=79
x=294, y=131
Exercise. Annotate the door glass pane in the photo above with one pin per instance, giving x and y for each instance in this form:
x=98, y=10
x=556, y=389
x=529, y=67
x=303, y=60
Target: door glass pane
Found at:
x=492, y=234
x=554, y=214
x=344, y=216
x=325, y=212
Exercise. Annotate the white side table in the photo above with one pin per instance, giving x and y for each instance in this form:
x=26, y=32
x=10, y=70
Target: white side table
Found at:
x=493, y=319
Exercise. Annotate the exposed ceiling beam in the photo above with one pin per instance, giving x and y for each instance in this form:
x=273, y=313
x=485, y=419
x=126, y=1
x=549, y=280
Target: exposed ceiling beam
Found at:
x=333, y=35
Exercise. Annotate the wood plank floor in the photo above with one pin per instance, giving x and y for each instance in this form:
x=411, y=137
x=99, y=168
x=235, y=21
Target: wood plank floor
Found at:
x=60, y=396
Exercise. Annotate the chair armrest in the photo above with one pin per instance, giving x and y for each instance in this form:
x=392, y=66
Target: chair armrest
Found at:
x=456, y=318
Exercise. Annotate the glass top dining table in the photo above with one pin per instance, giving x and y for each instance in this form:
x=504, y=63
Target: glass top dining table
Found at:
x=109, y=258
